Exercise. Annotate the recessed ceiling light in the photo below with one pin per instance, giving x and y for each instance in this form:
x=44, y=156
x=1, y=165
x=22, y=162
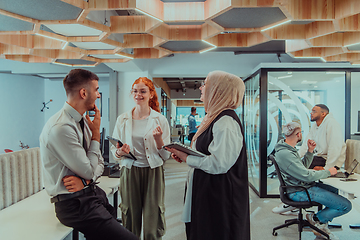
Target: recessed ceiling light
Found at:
x=308, y=82
x=287, y=76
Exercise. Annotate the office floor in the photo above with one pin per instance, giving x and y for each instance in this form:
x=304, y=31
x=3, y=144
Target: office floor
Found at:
x=262, y=219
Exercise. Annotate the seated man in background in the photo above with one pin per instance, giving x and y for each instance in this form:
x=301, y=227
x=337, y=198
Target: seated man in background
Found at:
x=296, y=173
x=326, y=132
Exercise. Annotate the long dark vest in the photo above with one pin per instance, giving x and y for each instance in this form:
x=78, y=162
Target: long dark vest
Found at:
x=220, y=203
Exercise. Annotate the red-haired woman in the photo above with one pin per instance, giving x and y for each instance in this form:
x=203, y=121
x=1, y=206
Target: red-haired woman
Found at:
x=143, y=131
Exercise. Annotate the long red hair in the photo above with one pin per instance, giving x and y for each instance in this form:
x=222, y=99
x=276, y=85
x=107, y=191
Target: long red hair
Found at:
x=153, y=102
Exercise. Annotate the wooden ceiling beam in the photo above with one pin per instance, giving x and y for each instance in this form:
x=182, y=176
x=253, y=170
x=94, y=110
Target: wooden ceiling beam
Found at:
x=138, y=41
x=56, y=54
x=77, y=3
x=311, y=9
x=344, y=57
x=98, y=26
x=127, y=24
x=111, y=4
x=83, y=39
x=162, y=31
x=184, y=12
x=184, y=33
x=237, y=39
x=213, y=8
x=208, y=31
x=351, y=23
x=93, y=52
x=17, y=16
x=318, y=52
x=154, y=8
x=112, y=42
x=28, y=58
x=351, y=38
x=147, y=53
x=321, y=28
x=330, y=40
x=122, y=60
x=287, y=31
x=11, y=49
x=346, y=8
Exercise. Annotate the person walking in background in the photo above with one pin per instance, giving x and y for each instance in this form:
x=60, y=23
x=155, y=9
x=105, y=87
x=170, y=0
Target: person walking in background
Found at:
x=70, y=153
x=192, y=123
x=326, y=132
x=217, y=192
x=296, y=173
x=144, y=131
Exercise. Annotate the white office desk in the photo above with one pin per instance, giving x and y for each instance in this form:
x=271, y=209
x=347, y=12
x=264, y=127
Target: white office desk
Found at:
x=34, y=217
x=348, y=189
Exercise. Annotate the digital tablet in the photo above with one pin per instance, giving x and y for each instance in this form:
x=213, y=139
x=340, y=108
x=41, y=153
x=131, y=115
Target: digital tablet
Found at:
x=185, y=149
x=114, y=141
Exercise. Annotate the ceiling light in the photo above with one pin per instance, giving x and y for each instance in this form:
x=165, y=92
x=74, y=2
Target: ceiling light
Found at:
x=289, y=73
x=50, y=37
x=65, y=45
x=206, y=50
x=209, y=43
x=117, y=54
x=315, y=86
x=276, y=25
x=287, y=76
x=63, y=64
x=148, y=15
x=308, y=82
x=342, y=73
x=352, y=44
x=321, y=58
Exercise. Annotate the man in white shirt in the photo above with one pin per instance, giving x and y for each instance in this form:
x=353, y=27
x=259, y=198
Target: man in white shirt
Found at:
x=326, y=132
x=70, y=152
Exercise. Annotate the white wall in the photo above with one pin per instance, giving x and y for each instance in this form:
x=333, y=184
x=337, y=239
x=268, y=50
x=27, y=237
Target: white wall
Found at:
x=21, y=99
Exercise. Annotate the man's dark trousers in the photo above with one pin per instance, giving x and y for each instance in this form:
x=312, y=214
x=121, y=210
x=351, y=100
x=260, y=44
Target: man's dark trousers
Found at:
x=92, y=215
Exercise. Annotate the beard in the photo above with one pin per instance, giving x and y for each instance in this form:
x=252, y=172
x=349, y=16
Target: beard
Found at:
x=314, y=119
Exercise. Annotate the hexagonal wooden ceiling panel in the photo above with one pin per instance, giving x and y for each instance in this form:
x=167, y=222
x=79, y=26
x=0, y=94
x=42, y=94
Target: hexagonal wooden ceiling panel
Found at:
x=78, y=32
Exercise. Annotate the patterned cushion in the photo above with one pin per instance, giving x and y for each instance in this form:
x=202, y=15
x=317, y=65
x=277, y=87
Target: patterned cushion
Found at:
x=20, y=175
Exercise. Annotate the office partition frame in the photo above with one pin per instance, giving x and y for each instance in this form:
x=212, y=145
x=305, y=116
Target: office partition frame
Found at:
x=261, y=191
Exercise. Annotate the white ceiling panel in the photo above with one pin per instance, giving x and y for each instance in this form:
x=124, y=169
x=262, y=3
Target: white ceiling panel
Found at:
x=73, y=30
x=94, y=45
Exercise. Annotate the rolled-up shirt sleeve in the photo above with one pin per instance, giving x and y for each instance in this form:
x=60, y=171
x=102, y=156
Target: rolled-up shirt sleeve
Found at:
x=225, y=148
x=69, y=151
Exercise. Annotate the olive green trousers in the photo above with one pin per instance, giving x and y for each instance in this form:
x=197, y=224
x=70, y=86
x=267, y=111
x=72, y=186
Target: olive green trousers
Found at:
x=142, y=197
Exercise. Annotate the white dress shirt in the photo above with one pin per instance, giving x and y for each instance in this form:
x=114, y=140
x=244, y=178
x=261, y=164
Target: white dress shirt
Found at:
x=225, y=149
x=62, y=151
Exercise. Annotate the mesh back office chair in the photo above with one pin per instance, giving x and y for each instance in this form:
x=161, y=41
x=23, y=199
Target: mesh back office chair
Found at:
x=300, y=205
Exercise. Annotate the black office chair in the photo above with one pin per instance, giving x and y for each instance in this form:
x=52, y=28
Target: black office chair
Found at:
x=300, y=205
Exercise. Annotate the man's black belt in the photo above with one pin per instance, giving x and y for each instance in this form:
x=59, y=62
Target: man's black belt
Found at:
x=63, y=197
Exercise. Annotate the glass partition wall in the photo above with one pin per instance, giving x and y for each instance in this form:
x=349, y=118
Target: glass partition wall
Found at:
x=274, y=97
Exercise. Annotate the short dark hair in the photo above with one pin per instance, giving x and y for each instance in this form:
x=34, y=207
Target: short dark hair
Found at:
x=193, y=109
x=77, y=79
x=323, y=107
